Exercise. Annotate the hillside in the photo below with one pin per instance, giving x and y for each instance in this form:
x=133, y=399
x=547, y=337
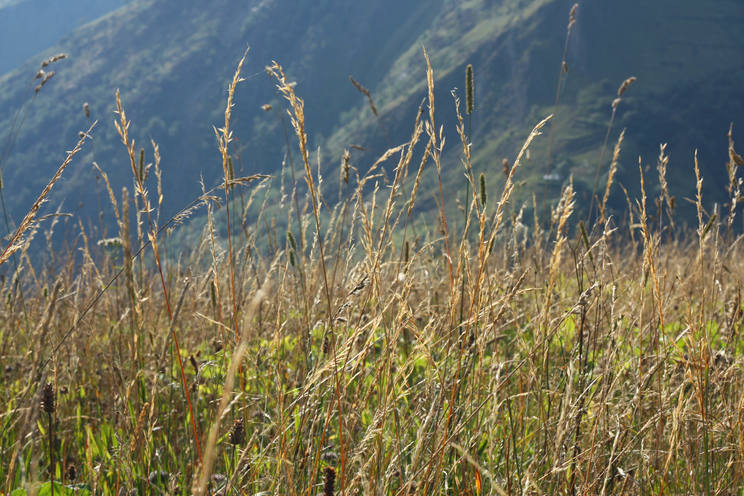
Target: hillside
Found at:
x=31, y=26
x=172, y=61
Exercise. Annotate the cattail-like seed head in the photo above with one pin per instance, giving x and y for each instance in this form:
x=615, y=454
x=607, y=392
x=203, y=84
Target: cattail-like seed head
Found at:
x=293, y=246
x=406, y=252
x=230, y=171
x=86, y=109
x=469, y=89
x=142, y=164
x=483, y=194
x=47, y=398
x=237, y=433
x=329, y=481
x=507, y=167
x=71, y=472
x=345, y=166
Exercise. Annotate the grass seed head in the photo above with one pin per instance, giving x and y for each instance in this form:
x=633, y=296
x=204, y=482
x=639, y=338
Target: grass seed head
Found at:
x=53, y=59
x=625, y=85
x=572, y=16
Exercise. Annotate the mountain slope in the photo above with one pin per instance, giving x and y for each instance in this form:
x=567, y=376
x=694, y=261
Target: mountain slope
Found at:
x=173, y=59
x=686, y=93
x=30, y=26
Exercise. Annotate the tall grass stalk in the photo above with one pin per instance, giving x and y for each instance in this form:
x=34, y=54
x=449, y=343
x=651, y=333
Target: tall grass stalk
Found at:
x=122, y=127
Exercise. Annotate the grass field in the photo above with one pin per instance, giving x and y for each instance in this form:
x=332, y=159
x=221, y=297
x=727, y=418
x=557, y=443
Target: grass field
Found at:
x=359, y=352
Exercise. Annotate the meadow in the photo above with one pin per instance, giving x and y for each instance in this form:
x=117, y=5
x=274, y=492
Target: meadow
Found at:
x=500, y=349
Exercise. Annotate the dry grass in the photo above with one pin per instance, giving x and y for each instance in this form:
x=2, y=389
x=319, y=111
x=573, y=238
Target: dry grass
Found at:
x=508, y=361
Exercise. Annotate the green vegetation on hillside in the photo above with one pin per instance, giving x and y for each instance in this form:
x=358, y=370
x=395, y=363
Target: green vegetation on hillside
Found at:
x=28, y=27
x=171, y=60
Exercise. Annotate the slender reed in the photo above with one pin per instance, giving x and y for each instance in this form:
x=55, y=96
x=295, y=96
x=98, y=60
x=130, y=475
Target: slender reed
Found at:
x=122, y=127
x=615, y=104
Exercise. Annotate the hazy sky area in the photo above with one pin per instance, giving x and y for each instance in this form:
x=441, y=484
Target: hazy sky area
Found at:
x=28, y=27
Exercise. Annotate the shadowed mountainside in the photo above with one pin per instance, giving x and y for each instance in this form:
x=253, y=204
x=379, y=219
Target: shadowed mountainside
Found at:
x=172, y=61
x=31, y=26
